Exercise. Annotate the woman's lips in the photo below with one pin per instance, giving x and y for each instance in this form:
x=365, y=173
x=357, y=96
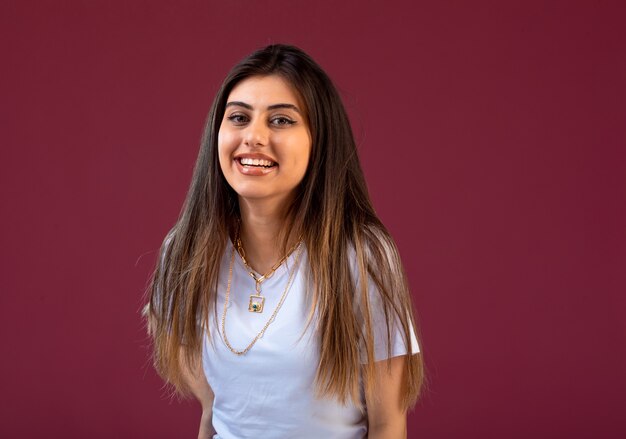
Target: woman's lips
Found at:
x=254, y=170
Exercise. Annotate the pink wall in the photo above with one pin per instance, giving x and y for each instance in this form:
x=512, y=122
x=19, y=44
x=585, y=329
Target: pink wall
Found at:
x=494, y=145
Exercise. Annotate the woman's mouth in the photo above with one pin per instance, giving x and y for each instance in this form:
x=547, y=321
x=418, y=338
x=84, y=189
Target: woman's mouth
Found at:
x=257, y=163
x=256, y=167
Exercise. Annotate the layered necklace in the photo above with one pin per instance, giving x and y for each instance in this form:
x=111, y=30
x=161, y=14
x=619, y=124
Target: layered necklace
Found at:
x=257, y=301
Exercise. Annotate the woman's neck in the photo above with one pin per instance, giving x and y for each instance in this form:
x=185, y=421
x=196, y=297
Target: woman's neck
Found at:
x=261, y=224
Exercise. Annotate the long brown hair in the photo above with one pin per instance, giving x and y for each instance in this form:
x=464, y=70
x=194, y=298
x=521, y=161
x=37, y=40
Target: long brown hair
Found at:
x=332, y=212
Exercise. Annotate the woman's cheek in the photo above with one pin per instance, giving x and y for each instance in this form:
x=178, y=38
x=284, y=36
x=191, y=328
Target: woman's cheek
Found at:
x=226, y=144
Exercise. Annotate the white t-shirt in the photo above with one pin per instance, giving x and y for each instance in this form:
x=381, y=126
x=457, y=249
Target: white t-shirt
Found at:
x=269, y=392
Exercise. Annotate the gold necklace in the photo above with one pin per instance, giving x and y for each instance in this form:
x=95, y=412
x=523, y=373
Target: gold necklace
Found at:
x=272, y=317
x=257, y=301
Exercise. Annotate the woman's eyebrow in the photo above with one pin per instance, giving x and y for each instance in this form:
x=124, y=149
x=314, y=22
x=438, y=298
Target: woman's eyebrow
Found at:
x=288, y=106
x=271, y=107
x=239, y=104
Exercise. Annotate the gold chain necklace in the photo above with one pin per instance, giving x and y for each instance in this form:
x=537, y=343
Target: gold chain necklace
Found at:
x=257, y=301
x=272, y=317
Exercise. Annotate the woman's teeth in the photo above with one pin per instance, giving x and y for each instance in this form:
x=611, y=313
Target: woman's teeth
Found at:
x=256, y=162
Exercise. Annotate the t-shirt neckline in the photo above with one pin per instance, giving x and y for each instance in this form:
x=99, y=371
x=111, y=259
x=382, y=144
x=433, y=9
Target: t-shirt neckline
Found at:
x=288, y=263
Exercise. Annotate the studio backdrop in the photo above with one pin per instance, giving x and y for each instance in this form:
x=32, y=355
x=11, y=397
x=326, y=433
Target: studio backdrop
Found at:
x=493, y=142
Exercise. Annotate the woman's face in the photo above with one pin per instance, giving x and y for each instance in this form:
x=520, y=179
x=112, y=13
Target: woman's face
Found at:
x=264, y=141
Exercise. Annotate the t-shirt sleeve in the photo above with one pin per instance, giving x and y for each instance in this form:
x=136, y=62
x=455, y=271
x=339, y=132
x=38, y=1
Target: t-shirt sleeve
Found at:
x=379, y=331
x=379, y=323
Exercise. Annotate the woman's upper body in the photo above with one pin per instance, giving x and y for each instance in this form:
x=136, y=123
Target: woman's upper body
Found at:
x=278, y=169
x=275, y=379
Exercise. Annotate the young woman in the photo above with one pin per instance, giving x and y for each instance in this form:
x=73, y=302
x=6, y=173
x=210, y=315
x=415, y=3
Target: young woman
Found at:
x=280, y=301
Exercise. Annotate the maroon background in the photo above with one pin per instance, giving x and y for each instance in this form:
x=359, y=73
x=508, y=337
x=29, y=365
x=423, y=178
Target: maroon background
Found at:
x=493, y=140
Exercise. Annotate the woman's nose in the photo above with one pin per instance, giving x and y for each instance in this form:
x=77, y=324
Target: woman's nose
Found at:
x=256, y=134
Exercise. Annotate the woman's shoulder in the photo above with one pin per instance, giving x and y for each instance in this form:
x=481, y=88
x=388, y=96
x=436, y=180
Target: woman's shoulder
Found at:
x=377, y=247
x=375, y=257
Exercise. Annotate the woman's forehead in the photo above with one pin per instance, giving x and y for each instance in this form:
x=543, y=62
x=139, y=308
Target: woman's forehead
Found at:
x=264, y=91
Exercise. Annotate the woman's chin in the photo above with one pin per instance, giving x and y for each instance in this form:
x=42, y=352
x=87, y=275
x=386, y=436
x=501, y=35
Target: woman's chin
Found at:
x=257, y=195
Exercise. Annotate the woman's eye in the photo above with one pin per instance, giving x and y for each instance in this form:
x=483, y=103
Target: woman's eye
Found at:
x=238, y=119
x=282, y=121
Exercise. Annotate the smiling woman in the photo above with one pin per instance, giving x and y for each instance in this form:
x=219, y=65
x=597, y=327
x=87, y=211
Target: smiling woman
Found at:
x=264, y=134
x=280, y=301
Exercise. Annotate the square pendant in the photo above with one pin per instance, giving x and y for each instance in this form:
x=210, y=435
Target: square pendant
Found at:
x=256, y=303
